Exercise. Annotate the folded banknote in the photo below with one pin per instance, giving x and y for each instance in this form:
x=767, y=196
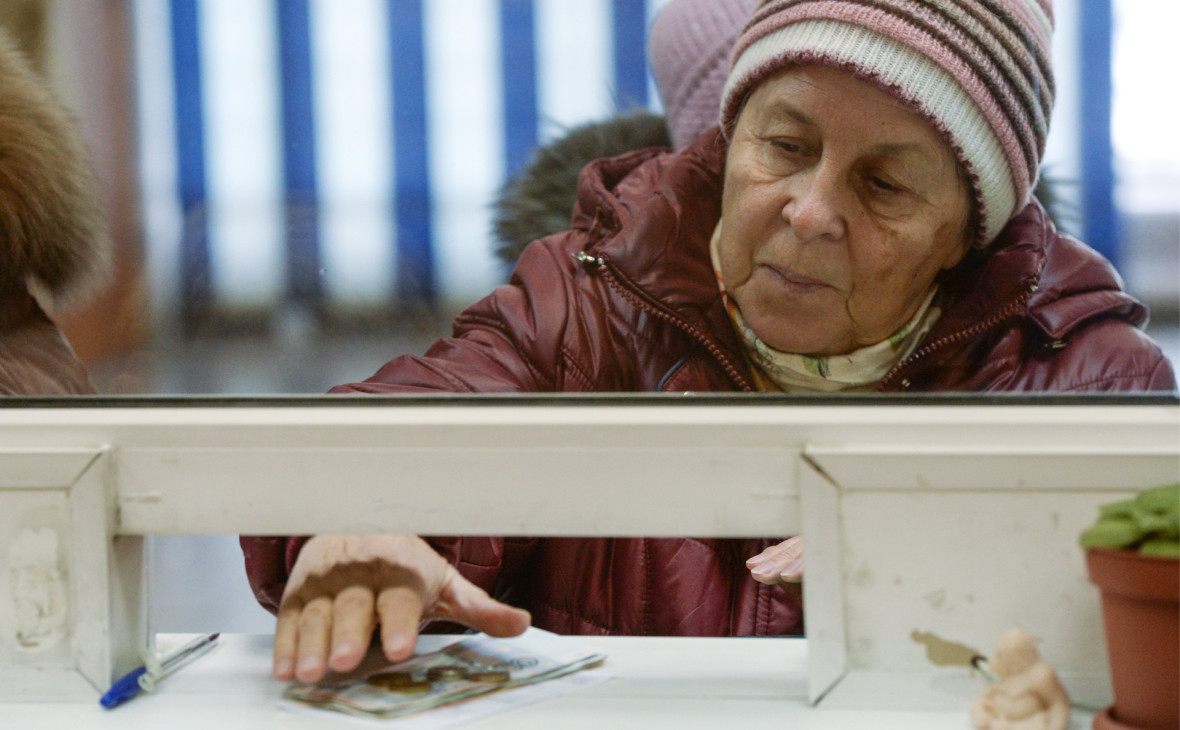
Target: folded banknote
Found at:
x=473, y=666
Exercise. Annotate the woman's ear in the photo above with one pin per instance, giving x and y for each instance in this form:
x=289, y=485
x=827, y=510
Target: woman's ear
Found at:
x=960, y=250
x=969, y=233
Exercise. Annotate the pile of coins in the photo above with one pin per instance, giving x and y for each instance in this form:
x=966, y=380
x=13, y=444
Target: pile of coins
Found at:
x=407, y=683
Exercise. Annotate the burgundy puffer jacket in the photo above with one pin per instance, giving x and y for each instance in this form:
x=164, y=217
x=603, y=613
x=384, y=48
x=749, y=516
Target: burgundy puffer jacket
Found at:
x=626, y=301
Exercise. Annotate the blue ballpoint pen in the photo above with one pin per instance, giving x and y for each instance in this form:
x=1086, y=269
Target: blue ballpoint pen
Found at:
x=146, y=677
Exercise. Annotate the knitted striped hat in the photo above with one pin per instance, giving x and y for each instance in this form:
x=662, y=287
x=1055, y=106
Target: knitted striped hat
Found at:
x=978, y=70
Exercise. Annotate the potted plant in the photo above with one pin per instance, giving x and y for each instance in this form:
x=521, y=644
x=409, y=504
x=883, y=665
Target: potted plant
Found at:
x=1133, y=556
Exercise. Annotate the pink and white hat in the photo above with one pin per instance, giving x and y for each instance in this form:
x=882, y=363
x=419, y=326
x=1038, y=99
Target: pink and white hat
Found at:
x=688, y=48
x=978, y=70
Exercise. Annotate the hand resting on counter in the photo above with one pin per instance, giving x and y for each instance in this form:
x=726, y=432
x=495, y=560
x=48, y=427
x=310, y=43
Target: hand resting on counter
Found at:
x=343, y=587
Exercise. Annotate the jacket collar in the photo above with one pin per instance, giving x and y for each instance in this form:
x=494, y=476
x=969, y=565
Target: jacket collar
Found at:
x=1064, y=282
x=651, y=212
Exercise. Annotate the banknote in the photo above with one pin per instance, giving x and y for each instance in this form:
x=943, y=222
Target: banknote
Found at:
x=473, y=666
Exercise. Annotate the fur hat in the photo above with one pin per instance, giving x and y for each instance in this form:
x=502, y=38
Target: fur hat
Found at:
x=51, y=227
x=978, y=70
x=688, y=48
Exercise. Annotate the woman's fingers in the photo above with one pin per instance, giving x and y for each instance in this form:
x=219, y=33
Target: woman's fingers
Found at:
x=792, y=572
x=287, y=640
x=466, y=603
x=781, y=562
x=315, y=633
x=399, y=609
x=352, y=627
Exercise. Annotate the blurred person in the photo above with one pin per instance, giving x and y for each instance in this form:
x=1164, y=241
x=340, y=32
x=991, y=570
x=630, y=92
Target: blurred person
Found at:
x=53, y=249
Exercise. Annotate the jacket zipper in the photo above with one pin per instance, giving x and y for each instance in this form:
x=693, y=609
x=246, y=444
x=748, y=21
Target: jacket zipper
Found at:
x=1011, y=310
x=615, y=281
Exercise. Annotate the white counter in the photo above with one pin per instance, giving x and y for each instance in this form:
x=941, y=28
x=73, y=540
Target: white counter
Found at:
x=658, y=682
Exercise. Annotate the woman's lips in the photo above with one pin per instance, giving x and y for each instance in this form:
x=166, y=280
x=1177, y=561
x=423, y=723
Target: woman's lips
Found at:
x=794, y=282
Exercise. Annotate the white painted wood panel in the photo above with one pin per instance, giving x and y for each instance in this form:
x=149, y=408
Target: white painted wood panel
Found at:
x=606, y=489
x=957, y=520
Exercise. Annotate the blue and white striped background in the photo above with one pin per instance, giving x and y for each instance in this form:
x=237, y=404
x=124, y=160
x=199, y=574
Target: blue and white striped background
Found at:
x=345, y=152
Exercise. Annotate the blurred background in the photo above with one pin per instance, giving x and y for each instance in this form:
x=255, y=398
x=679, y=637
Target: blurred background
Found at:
x=299, y=190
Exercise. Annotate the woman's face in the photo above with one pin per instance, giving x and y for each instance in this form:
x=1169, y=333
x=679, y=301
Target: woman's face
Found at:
x=840, y=206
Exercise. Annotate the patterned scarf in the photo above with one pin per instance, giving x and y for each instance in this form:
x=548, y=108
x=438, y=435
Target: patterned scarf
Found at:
x=859, y=370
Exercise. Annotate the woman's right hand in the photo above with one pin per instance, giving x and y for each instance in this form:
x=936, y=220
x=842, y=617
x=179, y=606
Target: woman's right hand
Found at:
x=781, y=563
x=342, y=587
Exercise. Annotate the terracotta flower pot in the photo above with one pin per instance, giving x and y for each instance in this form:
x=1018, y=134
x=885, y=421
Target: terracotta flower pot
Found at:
x=1141, y=616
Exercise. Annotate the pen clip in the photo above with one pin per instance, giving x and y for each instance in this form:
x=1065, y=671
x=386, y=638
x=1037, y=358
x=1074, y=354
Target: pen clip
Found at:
x=147, y=681
x=151, y=664
x=156, y=669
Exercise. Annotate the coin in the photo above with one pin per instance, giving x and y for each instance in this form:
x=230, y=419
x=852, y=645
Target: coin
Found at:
x=446, y=673
x=390, y=679
x=491, y=676
x=413, y=687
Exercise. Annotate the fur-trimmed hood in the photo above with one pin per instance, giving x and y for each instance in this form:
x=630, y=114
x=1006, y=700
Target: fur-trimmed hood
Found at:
x=51, y=227
x=538, y=200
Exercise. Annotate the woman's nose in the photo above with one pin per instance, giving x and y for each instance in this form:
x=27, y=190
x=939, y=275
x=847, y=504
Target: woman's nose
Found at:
x=815, y=207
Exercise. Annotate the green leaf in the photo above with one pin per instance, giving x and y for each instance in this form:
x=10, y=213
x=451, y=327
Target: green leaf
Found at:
x=1112, y=532
x=1160, y=499
x=1161, y=548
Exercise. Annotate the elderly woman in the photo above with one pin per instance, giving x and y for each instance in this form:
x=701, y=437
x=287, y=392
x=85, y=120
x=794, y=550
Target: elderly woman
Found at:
x=861, y=221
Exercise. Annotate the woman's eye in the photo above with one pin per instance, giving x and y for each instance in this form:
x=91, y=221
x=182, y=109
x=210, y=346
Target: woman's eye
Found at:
x=882, y=185
x=788, y=146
